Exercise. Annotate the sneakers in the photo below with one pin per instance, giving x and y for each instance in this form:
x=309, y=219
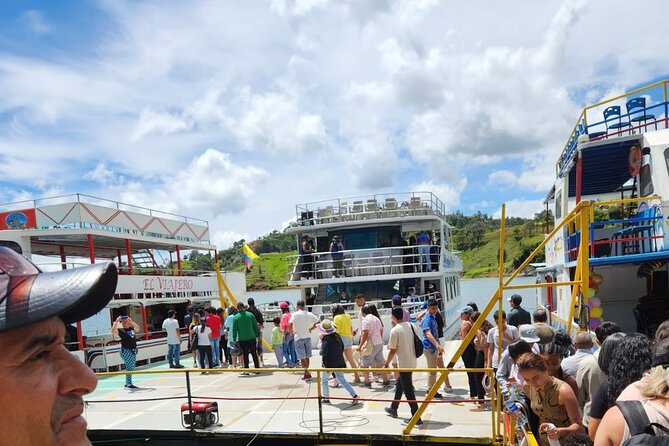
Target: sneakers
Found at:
x=131, y=386
x=177, y=366
x=244, y=374
x=438, y=395
x=368, y=385
x=448, y=389
x=326, y=402
x=355, y=400
x=386, y=383
x=390, y=411
x=306, y=377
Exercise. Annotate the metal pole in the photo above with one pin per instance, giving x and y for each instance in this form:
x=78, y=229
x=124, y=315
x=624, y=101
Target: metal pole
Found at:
x=320, y=403
x=190, y=402
x=500, y=306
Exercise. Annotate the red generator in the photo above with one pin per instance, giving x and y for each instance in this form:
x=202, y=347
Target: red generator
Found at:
x=204, y=414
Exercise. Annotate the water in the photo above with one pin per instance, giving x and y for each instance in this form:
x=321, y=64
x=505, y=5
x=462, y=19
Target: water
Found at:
x=473, y=290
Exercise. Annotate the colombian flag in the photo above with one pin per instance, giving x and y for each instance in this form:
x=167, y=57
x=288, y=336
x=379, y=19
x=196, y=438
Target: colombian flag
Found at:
x=249, y=255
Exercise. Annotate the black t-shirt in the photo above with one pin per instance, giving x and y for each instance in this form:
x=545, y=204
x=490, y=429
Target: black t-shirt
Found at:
x=257, y=314
x=598, y=407
x=440, y=324
x=128, y=340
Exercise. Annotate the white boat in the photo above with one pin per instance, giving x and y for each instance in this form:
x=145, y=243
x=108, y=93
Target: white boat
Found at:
x=615, y=163
x=73, y=230
x=378, y=261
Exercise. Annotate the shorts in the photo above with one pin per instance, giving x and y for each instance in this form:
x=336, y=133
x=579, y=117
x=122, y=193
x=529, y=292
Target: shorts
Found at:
x=375, y=359
x=234, y=348
x=303, y=348
x=347, y=340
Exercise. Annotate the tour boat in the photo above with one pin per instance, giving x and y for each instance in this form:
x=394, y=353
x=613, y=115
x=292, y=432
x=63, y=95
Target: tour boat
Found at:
x=609, y=200
x=71, y=230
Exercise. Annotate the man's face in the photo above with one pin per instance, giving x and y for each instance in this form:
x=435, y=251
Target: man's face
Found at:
x=432, y=309
x=360, y=302
x=43, y=385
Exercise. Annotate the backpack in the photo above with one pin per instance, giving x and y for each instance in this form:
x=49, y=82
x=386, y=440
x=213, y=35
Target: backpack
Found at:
x=417, y=343
x=641, y=429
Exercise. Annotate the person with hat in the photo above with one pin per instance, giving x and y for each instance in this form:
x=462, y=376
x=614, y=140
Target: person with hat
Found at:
x=507, y=371
x=469, y=354
x=337, y=253
x=332, y=352
x=43, y=383
x=518, y=315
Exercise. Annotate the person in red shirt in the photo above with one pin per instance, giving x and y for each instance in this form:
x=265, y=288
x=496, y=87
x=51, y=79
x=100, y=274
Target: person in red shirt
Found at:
x=214, y=323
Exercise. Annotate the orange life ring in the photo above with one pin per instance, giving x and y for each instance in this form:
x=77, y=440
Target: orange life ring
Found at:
x=634, y=160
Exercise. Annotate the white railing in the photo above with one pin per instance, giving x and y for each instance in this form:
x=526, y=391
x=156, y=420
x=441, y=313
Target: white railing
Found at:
x=369, y=262
x=365, y=207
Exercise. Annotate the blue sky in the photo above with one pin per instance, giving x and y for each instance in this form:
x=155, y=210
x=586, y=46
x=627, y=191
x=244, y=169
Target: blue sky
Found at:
x=236, y=111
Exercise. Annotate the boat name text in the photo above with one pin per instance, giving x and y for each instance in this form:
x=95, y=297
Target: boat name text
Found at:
x=161, y=284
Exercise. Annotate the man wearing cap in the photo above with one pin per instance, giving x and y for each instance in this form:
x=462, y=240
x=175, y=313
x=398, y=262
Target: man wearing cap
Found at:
x=431, y=347
x=518, y=315
x=583, y=344
x=528, y=333
x=171, y=326
x=43, y=383
x=336, y=251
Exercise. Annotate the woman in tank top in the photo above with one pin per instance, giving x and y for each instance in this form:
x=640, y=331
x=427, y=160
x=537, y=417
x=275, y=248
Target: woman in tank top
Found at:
x=552, y=400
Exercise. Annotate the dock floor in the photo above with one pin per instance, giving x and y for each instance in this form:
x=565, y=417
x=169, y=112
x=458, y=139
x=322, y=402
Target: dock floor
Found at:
x=155, y=407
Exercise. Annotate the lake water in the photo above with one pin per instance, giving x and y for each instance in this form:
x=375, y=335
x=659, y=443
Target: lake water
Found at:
x=473, y=290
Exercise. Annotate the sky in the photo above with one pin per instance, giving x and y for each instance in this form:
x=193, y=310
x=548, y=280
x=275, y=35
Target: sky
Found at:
x=236, y=111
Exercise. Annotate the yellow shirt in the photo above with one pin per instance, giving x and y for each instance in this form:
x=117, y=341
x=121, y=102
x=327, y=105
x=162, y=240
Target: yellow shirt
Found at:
x=344, y=325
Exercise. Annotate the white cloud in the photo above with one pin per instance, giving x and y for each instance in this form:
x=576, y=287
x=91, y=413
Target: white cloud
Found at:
x=36, y=22
x=448, y=194
x=225, y=239
x=151, y=121
x=101, y=174
x=520, y=208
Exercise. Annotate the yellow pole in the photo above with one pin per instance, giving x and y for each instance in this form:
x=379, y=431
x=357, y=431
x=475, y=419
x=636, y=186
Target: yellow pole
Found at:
x=500, y=309
x=585, y=249
x=219, y=280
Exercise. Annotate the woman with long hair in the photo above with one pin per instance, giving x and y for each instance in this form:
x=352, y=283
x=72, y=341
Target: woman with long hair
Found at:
x=469, y=355
x=631, y=358
x=554, y=352
x=479, y=362
x=344, y=328
x=552, y=400
x=289, y=351
x=203, y=334
x=195, y=322
x=614, y=429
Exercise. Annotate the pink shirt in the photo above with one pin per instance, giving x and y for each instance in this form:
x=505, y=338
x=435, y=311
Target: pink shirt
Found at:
x=373, y=326
x=285, y=322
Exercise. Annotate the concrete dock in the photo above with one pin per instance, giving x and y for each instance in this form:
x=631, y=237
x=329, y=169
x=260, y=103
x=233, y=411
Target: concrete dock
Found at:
x=275, y=405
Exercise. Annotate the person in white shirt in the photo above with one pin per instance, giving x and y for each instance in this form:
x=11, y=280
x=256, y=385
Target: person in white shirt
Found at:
x=583, y=344
x=401, y=344
x=171, y=326
x=301, y=324
x=510, y=335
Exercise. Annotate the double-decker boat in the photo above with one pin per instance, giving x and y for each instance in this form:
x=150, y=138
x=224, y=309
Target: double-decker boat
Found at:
x=610, y=195
x=395, y=243
x=71, y=230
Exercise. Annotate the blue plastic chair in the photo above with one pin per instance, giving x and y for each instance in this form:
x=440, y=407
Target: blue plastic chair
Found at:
x=583, y=131
x=638, y=105
x=612, y=112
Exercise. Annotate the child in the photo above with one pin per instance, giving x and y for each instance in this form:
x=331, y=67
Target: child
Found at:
x=277, y=341
x=332, y=351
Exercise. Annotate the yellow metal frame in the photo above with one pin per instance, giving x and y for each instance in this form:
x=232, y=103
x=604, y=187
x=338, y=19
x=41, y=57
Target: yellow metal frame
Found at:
x=230, y=299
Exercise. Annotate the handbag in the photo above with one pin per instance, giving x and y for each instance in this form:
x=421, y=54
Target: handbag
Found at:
x=194, y=341
x=417, y=343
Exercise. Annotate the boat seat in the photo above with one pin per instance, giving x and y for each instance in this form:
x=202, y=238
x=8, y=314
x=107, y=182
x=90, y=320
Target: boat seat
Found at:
x=613, y=112
x=357, y=209
x=636, y=106
x=390, y=207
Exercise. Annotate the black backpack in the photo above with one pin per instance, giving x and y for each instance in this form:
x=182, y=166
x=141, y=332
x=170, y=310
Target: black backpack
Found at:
x=417, y=343
x=641, y=429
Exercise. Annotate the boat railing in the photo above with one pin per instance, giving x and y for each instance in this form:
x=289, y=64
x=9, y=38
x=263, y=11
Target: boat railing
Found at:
x=367, y=262
x=621, y=228
x=412, y=303
x=637, y=110
x=365, y=207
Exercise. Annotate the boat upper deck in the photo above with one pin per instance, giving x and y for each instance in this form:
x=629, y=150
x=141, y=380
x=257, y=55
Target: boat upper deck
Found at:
x=366, y=209
x=68, y=220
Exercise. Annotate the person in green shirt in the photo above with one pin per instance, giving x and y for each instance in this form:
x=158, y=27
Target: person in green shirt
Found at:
x=277, y=341
x=245, y=330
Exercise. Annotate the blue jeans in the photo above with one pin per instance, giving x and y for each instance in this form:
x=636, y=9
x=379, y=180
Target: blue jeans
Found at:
x=289, y=349
x=424, y=253
x=173, y=353
x=215, y=351
x=325, y=377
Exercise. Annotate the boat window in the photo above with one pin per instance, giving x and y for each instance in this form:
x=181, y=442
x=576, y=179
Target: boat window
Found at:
x=645, y=182
x=558, y=205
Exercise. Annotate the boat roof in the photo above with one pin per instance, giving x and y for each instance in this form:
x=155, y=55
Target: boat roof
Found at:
x=422, y=209
x=68, y=220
